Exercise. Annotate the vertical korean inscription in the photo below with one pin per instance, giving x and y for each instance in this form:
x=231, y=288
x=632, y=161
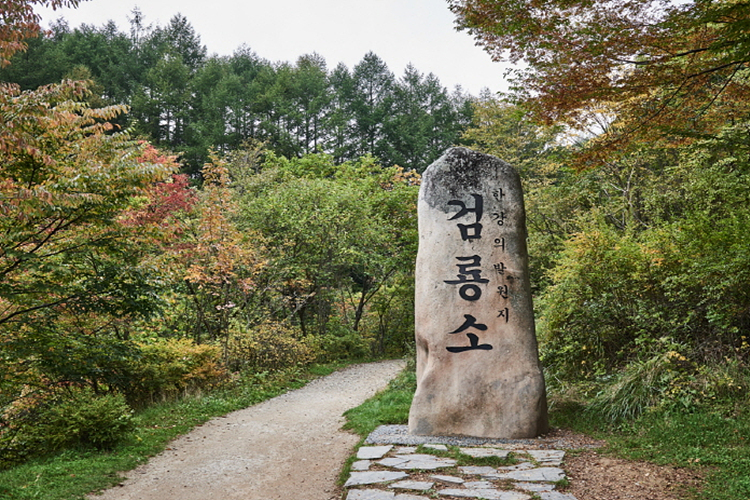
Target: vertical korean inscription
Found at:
x=470, y=279
x=478, y=370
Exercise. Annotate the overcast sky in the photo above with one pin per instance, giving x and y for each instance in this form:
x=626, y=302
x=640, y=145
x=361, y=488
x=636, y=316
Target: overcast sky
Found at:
x=398, y=31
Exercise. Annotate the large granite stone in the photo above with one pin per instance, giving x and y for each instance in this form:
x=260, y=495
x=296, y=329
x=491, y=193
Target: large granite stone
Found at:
x=478, y=371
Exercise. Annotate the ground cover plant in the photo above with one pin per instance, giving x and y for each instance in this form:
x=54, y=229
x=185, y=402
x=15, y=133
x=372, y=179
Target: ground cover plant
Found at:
x=75, y=472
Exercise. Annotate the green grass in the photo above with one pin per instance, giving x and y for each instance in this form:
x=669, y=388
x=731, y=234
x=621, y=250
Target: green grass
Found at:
x=72, y=474
x=390, y=406
x=717, y=445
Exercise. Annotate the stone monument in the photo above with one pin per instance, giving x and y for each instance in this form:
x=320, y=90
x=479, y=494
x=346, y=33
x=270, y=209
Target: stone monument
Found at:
x=478, y=371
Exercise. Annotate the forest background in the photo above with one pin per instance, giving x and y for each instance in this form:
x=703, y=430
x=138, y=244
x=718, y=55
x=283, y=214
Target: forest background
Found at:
x=173, y=222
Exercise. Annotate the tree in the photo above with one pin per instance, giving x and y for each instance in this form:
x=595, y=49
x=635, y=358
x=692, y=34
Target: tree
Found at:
x=343, y=237
x=20, y=22
x=69, y=282
x=655, y=67
x=425, y=121
x=371, y=104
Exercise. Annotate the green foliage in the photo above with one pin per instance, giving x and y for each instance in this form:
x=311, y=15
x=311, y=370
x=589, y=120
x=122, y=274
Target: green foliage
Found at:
x=388, y=407
x=344, y=240
x=164, y=369
x=652, y=272
x=43, y=423
x=269, y=346
x=187, y=102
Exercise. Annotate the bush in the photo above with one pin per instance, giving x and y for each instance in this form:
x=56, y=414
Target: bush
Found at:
x=269, y=346
x=168, y=368
x=42, y=422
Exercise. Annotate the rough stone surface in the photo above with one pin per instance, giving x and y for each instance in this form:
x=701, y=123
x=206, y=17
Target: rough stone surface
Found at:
x=485, y=452
x=534, y=486
x=478, y=371
x=477, y=469
x=417, y=461
x=486, y=494
x=555, y=495
x=373, y=477
x=547, y=457
x=370, y=495
x=373, y=452
x=361, y=465
x=413, y=485
x=447, y=479
x=548, y=474
x=471, y=481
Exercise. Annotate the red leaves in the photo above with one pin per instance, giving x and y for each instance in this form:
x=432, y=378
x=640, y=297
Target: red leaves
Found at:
x=165, y=199
x=19, y=22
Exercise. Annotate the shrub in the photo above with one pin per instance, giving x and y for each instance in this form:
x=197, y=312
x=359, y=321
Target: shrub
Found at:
x=269, y=346
x=41, y=422
x=168, y=368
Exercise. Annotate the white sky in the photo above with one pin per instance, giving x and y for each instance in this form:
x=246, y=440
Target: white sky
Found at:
x=398, y=31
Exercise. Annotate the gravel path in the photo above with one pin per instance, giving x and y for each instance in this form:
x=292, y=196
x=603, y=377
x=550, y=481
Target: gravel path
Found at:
x=288, y=447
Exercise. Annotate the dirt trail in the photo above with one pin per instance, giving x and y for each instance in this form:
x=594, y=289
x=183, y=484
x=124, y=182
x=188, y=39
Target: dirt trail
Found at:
x=288, y=447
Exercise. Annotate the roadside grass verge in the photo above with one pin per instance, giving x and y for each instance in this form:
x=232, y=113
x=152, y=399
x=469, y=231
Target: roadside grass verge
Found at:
x=389, y=406
x=73, y=473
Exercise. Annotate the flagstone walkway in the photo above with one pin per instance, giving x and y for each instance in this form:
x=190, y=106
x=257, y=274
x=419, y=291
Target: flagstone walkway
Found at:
x=426, y=471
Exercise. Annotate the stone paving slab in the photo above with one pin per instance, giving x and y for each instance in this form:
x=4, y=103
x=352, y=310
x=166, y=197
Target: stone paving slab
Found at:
x=418, y=461
x=413, y=485
x=485, y=452
x=380, y=495
x=373, y=452
x=556, y=495
x=546, y=474
x=373, y=477
x=361, y=465
x=487, y=494
x=448, y=479
x=547, y=457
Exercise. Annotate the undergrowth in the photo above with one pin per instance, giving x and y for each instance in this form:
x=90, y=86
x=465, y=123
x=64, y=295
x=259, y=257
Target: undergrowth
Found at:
x=73, y=473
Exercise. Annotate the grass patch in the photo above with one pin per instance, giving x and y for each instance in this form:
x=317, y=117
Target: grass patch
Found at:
x=716, y=443
x=464, y=459
x=388, y=407
x=71, y=474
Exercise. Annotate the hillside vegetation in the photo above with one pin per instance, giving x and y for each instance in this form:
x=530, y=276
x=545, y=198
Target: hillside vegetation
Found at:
x=177, y=224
